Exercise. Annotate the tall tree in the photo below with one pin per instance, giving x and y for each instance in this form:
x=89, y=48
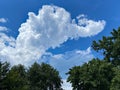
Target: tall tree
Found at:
x=110, y=47
x=4, y=69
x=97, y=74
x=94, y=75
x=44, y=77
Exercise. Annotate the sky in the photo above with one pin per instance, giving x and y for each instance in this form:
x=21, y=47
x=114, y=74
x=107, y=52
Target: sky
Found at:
x=57, y=32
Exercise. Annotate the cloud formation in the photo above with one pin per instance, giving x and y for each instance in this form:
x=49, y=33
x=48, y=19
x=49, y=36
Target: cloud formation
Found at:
x=63, y=62
x=49, y=29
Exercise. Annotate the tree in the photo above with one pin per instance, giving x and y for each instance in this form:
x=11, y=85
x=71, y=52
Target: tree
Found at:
x=44, y=77
x=100, y=74
x=110, y=47
x=94, y=75
x=4, y=69
x=17, y=78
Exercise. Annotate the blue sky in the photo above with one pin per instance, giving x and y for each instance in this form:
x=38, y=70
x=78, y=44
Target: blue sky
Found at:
x=60, y=39
x=16, y=12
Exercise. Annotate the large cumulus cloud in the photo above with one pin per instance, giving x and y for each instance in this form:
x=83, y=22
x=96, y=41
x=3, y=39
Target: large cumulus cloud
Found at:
x=51, y=27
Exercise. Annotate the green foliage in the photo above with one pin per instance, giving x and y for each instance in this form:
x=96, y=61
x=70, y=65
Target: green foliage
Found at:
x=37, y=77
x=94, y=75
x=110, y=47
x=44, y=77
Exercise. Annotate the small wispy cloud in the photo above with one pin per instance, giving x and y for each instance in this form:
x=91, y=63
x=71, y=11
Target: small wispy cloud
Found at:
x=3, y=20
x=2, y=28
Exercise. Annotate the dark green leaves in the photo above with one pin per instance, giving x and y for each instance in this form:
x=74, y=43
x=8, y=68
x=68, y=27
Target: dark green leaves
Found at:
x=110, y=47
x=94, y=75
x=43, y=77
x=37, y=77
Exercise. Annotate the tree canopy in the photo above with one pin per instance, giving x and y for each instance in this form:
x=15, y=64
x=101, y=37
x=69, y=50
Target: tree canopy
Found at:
x=44, y=77
x=17, y=78
x=94, y=75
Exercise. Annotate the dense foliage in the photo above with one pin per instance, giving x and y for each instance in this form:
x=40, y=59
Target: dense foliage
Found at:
x=4, y=69
x=99, y=74
x=43, y=77
x=94, y=75
x=37, y=77
x=17, y=78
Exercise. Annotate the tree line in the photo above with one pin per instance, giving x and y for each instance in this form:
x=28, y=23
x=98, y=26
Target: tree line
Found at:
x=96, y=74
x=37, y=77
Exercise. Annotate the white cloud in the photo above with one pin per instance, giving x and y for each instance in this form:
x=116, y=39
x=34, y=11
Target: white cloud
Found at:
x=2, y=28
x=63, y=62
x=3, y=20
x=49, y=29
